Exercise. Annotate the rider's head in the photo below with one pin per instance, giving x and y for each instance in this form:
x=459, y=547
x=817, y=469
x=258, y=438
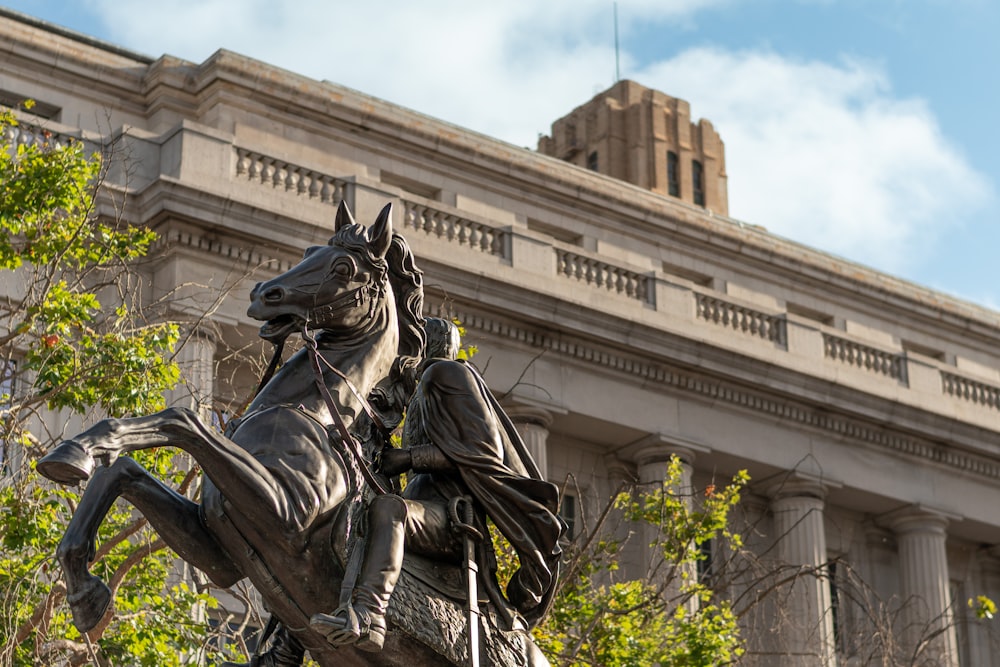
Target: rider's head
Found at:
x=443, y=340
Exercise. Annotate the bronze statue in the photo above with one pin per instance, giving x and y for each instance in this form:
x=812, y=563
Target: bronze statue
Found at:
x=284, y=496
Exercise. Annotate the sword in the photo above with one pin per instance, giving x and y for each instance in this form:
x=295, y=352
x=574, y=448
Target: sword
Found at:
x=462, y=522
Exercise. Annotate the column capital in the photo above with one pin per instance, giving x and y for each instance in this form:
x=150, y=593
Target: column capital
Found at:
x=529, y=414
x=918, y=519
x=659, y=448
x=619, y=470
x=798, y=485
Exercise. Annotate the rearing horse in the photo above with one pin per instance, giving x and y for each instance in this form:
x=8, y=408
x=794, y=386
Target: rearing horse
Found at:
x=274, y=503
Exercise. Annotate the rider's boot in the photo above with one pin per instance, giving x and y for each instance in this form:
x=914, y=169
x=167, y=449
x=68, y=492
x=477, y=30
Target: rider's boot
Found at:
x=362, y=623
x=285, y=651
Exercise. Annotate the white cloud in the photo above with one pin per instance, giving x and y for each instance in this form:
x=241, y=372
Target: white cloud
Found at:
x=824, y=154
x=818, y=152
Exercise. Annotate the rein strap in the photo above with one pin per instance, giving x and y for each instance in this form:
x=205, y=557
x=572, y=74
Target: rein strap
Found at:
x=345, y=435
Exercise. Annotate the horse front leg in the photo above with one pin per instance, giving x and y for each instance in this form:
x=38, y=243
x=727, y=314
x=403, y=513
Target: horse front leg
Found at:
x=243, y=480
x=174, y=517
x=73, y=461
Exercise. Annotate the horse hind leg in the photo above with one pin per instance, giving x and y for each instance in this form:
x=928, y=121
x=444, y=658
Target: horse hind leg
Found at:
x=174, y=517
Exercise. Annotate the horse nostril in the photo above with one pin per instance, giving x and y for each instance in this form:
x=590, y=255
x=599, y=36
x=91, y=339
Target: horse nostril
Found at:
x=274, y=294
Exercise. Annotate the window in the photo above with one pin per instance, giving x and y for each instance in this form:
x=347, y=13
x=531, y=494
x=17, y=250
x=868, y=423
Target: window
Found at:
x=706, y=561
x=592, y=161
x=567, y=512
x=698, y=182
x=8, y=369
x=41, y=109
x=673, y=175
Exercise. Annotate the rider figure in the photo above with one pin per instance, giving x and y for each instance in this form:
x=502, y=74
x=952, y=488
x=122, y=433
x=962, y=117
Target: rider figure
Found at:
x=457, y=441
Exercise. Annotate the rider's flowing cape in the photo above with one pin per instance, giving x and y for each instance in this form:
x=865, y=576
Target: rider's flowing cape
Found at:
x=460, y=415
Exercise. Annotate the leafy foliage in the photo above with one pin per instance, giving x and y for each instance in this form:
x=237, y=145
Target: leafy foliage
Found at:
x=670, y=616
x=63, y=349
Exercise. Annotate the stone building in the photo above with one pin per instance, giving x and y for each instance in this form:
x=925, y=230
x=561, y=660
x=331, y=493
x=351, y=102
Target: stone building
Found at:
x=621, y=319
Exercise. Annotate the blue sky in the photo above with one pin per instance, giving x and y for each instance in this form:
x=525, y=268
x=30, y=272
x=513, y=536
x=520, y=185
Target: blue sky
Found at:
x=865, y=128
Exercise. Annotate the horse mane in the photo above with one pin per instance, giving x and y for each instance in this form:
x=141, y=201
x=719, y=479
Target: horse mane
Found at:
x=408, y=286
x=354, y=237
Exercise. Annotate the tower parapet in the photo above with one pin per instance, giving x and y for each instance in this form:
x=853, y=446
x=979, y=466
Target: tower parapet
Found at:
x=646, y=138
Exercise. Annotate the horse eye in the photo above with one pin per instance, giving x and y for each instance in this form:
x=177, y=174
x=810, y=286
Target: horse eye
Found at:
x=342, y=269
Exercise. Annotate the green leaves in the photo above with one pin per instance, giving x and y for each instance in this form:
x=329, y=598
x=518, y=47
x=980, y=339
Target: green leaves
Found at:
x=668, y=617
x=64, y=348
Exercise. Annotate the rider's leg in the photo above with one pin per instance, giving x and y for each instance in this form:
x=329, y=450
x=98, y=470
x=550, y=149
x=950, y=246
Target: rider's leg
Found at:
x=363, y=623
x=174, y=517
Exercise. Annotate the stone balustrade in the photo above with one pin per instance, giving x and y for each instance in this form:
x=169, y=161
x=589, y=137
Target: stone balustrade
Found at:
x=31, y=135
x=858, y=355
x=456, y=229
x=740, y=318
x=966, y=389
x=602, y=275
x=292, y=178
x=435, y=221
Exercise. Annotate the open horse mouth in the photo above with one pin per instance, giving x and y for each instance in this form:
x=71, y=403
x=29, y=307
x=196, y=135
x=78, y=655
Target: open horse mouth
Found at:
x=280, y=328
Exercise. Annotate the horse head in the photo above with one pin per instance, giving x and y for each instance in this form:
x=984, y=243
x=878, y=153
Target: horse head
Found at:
x=336, y=287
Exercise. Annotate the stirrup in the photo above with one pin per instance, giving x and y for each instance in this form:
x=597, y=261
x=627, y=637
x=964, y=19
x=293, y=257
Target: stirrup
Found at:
x=352, y=625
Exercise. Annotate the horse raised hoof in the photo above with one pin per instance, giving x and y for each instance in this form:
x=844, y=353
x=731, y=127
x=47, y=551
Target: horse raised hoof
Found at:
x=68, y=463
x=89, y=604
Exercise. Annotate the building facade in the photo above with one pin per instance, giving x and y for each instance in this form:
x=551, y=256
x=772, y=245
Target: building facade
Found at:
x=621, y=320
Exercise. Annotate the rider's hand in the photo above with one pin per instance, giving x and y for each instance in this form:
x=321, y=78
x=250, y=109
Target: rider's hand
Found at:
x=395, y=461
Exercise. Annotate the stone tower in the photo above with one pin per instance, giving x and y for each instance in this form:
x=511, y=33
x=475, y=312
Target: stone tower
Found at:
x=647, y=138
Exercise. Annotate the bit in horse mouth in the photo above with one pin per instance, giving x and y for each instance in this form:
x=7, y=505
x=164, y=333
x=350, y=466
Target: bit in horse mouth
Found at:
x=280, y=327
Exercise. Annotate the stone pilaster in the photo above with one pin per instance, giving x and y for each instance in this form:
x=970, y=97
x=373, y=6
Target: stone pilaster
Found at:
x=196, y=360
x=927, y=615
x=805, y=622
x=532, y=424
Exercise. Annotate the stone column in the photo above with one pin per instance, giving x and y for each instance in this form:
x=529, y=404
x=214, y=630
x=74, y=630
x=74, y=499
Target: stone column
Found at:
x=196, y=359
x=805, y=621
x=532, y=424
x=651, y=460
x=924, y=583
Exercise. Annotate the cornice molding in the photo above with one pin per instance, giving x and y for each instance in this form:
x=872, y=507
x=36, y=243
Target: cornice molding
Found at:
x=737, y=396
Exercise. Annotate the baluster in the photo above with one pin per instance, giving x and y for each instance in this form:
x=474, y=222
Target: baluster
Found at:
x=267, y=171
x=409, y=215
x=306, y=179
x=474, y=235
x=242, y=162
x=326, y=192
x=253, y=172
x=292, y=180
x=280, y=173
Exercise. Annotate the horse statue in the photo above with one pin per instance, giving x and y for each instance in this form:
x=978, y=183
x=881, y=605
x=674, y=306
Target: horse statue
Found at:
x=282, y=485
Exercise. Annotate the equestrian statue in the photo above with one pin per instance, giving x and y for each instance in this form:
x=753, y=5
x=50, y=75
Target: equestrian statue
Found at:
x=301, y=493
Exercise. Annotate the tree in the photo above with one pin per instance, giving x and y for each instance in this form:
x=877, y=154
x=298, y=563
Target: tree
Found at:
x=73, y=342
x=669, y=617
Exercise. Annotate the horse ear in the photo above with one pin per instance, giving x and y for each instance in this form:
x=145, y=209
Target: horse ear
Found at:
x=380, y=233
x=344, y=217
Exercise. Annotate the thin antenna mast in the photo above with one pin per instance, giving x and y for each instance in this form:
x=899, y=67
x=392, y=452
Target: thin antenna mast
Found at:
x=618, y=72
